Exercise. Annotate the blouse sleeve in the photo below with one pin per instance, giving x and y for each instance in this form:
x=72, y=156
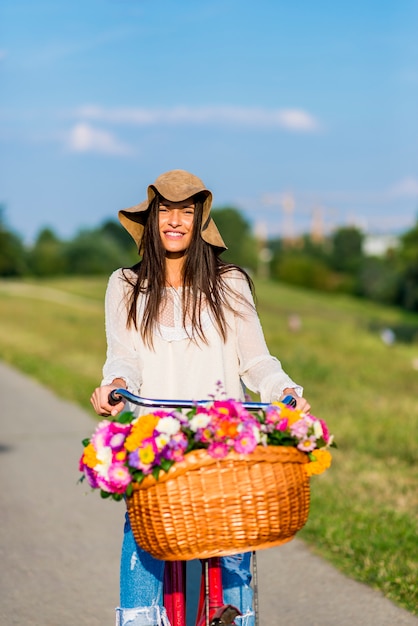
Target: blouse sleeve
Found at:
x=259, y=370
x=122, y=360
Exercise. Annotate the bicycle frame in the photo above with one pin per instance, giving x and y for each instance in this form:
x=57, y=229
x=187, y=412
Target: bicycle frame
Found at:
x=211, y=609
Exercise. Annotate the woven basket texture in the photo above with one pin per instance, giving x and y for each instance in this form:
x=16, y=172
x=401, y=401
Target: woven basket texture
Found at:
x=204, y=507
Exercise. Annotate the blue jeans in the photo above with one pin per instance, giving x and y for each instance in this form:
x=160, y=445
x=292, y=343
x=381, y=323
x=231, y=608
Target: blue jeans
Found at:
x=141, y=586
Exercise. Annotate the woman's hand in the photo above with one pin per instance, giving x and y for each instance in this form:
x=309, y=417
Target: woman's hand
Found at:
x=301, y=403
x=100, y=400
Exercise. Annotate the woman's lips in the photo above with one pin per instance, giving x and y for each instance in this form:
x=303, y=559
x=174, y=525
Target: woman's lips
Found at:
x=173, y=233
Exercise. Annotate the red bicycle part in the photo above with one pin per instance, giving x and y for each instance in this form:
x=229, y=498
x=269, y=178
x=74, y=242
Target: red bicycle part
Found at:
x=211, y=609
x=175, y=592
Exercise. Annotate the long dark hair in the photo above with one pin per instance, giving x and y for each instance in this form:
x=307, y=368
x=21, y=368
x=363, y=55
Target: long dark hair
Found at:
x=203, y=282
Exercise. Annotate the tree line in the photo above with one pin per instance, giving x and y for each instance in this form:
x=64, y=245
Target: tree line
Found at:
x=336, y=263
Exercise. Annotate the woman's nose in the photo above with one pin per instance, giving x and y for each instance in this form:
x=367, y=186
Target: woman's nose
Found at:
x=175, y=217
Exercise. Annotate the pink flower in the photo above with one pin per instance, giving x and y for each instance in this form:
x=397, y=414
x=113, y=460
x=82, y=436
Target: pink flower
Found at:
x=119, y=477
x=325, y=431
x=272, y=414
x=245, y=443
x=308, y=444
x=299, y=429
x=282, y=424
x=100, y=435
x=218, y=450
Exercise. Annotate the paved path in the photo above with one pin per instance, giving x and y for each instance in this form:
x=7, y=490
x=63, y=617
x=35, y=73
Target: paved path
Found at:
x=59, y=546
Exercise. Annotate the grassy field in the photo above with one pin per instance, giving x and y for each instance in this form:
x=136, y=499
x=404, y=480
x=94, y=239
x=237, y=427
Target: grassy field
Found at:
x=364, y=512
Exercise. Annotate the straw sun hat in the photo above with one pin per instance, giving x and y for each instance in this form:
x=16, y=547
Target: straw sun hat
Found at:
x=175, y=186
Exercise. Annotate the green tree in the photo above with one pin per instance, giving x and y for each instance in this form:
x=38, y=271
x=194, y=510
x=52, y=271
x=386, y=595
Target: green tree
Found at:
x=408, y=260
x=114, y=230
x=47, y=256
x=92, y=252
x=236, y=232
x=299, y=268
x=346, y=253
x=379, y=279
x=12, y=250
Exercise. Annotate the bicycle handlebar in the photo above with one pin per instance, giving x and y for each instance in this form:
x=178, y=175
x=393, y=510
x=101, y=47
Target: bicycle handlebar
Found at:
x=116, y=395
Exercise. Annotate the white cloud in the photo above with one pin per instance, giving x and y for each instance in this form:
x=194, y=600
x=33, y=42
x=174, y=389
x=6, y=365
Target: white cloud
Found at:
x=84, y=138
x=296, y=120
x=406, y=187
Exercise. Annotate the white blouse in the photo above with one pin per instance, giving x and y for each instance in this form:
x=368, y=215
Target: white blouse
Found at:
x=178, y=367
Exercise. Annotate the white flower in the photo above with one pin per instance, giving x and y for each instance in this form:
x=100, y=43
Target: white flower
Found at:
x=104, y=456
x=263, y=438
x=317, y=428
x=256, y=433
x=201, y=420
x=168, y=425
x=162, y=440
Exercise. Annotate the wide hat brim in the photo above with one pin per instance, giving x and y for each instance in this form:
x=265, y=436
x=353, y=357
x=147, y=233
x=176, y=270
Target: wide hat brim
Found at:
x=176, y=185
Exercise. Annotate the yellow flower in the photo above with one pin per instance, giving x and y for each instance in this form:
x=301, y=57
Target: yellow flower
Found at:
x=321, y=463
x=146, y=455
x=287, y=412
x=142, y=429
x=89, y=456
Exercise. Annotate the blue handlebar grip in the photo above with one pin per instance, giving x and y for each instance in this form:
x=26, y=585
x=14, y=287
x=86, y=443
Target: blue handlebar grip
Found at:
x=290, y=400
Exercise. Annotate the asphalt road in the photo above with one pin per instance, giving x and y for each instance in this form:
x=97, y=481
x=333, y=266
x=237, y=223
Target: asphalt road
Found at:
x=60, y=544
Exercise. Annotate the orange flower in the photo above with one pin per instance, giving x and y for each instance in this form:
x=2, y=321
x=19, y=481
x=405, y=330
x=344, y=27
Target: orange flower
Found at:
x=226, y=429
x=321, y=462
x=89, y=456
x=142, y=429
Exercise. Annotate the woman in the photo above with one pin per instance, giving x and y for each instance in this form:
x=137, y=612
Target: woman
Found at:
x=182, y=324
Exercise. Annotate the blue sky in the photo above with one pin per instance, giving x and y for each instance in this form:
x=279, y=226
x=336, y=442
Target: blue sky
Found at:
x=292, y=111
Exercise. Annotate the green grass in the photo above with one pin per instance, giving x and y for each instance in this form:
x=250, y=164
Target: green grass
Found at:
x=364, y=510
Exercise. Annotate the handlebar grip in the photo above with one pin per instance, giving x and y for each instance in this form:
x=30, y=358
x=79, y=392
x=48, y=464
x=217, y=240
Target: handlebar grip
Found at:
x=290, y=400
x=114, y=398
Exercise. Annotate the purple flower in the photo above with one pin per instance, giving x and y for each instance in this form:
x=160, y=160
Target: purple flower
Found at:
x=91, y=476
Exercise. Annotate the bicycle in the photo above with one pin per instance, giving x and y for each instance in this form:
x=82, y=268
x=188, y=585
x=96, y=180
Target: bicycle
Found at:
x=211, y=608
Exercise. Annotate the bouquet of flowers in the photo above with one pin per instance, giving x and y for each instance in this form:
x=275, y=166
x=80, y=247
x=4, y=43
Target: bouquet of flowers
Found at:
x=125, y=450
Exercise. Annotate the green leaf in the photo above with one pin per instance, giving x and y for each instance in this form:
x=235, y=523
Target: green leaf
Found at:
x=104, y=494
x=85, y=442
x=125, y=418
x=166, y=464
x=156, y=472
x=129, y=490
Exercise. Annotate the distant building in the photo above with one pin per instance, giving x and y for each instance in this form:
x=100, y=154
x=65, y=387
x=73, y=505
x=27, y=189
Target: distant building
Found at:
x=378, y=245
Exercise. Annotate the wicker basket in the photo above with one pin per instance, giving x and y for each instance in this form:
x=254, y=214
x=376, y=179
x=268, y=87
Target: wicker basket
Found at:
x=207, y=507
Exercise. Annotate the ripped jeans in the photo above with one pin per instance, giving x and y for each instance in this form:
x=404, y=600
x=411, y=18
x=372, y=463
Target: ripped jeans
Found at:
x=141, y=586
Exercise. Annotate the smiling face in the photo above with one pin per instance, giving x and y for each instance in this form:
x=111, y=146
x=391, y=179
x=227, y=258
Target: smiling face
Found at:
x=176, y=221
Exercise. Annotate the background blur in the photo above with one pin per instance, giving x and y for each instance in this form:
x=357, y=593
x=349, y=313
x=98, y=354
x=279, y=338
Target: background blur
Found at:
x=300, y=114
